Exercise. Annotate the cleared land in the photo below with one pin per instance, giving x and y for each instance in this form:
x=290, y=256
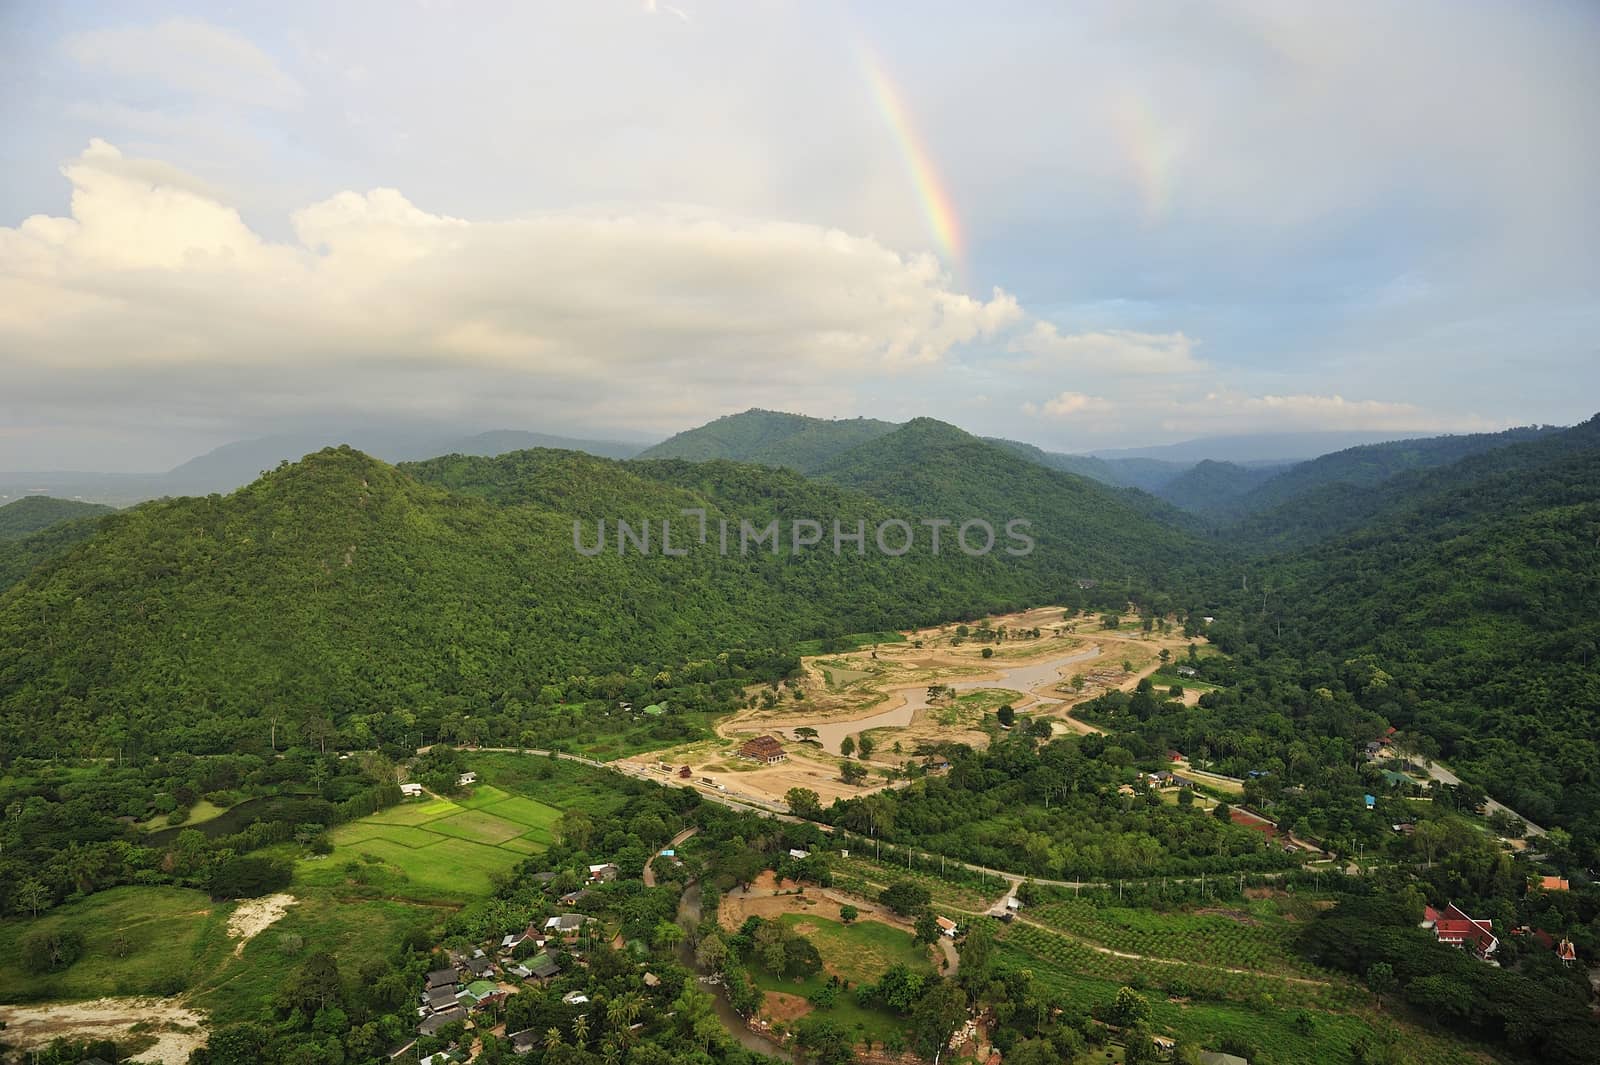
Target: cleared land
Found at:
x=859, y=952
x=881, y=688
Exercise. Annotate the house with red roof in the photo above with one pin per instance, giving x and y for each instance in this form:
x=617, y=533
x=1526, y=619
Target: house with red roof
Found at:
x=1454, y=928
x=1553, y=883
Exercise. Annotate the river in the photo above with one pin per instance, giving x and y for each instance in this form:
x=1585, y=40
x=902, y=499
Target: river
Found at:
x=1023, y=678
x=688, y=918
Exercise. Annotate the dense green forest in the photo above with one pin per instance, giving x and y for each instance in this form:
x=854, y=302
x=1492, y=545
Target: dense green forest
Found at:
x=1209, y=486
x=1462, y=610
x=340, y=587
x=1371, y=464
x=20, y=556
x=29, y=514
x=770, y=438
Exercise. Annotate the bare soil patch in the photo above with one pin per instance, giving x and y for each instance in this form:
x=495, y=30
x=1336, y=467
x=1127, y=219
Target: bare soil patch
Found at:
x=177, y=1029
x=782, y=1007
x=254, y=916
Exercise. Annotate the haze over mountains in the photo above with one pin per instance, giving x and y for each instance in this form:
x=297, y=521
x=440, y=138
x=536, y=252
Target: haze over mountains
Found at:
x=230, y=466
x=1198, y=476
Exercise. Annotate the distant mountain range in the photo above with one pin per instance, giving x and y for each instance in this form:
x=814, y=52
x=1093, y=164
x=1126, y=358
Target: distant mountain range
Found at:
x=1221, y=480
x=226, y=468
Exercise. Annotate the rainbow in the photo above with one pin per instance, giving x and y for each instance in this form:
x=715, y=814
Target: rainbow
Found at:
x=1151, y=149
x=937, y=207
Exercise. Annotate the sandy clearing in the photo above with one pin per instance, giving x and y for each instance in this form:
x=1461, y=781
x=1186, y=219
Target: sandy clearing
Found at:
x=254, y=916
x=887, y=696
x=178, y=1029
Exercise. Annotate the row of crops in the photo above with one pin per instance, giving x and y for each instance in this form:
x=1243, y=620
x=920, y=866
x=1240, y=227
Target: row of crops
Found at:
x=1240, y=940
x=1193, y=980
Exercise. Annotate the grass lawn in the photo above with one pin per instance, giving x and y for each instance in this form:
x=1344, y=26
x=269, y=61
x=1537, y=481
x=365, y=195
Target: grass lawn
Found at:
x=177, y=940
x=168, y=931
x=482, y=795
x=552, y=782
x=862, y=951
x=859, y=953
x=1265, y=1020
x=1162, y=681
x=362, y=831
x=199, y=813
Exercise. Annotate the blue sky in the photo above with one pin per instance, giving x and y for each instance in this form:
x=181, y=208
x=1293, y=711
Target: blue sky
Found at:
x=1089, y=225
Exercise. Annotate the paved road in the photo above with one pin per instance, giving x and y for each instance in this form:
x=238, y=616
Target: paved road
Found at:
x=1443, y=775
x=649, y=870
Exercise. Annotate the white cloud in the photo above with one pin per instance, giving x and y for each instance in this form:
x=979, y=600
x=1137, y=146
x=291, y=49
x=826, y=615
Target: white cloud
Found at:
x=1227, y=411
x=154, y=292
x=1069, y=404
x=1115, y=352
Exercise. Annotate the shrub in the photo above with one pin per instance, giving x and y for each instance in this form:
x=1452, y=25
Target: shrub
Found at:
x=50, y=951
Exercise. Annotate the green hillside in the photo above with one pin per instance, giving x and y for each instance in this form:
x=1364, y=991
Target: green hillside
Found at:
x=1462, y=607
x=340, y=586
x=1335, y=474
x=35, y=529
x=1146, y=474
x=770, y=438
x=29, y=514
x=1210, y=486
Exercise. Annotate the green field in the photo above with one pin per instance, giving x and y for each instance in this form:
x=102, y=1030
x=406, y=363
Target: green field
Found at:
x=166, y=930
x=1162, y=681
x=859, y=953
x=436, y=850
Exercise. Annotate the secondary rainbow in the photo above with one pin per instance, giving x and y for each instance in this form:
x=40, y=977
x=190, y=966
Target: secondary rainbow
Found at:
x=937, y=207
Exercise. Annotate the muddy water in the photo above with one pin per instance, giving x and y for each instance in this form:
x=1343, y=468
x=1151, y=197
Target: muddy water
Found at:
x=689, y=917
x=1044, y=673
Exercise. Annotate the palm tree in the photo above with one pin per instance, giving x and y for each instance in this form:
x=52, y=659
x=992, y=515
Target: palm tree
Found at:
x=580, y=1029
x=552, y=1037
x=622, y=1012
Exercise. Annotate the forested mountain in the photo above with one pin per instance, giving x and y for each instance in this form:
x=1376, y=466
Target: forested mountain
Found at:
x=21, y=556
x=1212, y=486
x=1462, y=608
x=340, y=585
x=1145, y=474
x=1374, y=463
x=234, y=465
x=1362, y=493
x=1270, y=448
x=939, y=469
x=770, y=438
x=37, y=528
x=32, y=513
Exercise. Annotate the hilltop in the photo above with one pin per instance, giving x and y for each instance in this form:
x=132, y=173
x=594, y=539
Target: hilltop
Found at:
x=770, y=438
x=30, y=514
x=340, y=585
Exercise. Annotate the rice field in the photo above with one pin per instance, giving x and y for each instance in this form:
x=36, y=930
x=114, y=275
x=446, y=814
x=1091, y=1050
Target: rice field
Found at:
x=436, y=849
